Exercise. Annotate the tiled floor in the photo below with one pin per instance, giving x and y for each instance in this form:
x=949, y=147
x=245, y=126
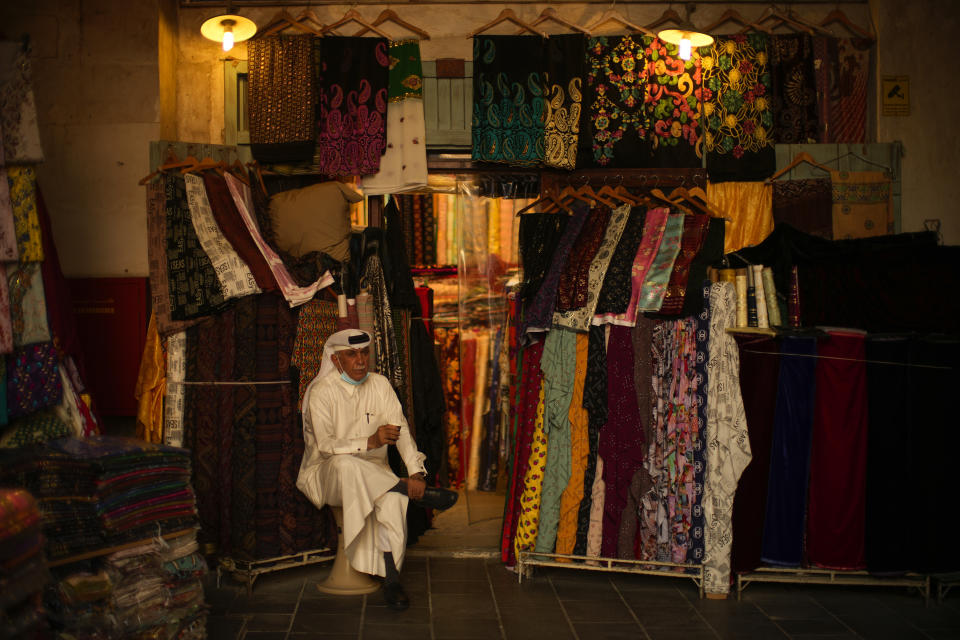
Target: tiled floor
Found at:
x=477, y=598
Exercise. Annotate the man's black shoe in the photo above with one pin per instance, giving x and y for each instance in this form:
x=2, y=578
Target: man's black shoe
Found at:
x=395, y=597
x=438, y=498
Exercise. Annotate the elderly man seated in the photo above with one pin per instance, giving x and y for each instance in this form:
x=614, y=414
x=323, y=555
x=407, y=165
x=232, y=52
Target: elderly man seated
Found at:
x=350, y=416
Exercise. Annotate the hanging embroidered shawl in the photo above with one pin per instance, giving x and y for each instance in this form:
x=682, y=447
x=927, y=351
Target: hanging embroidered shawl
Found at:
x=694, y=232
x=404, y=165
x=566, y=66
x=351, y=76
x=806, y=205
x=509, y=104
x=653, y=228
x=316, y=322
x=711, y=252
x=673, y=104
x=738, y=109
x=8, y=233
x=658, y=276
x=281, y=98
x=18, y=110
x=194, y=287
x=614, y=104
x=572, y=287
x=235, y=278
x=614, y=295
x=22, y=181
x=793, y=89
x=33, y=379
x=538, y=236
x=862, y=205
x=28, y=307
x=579, y=319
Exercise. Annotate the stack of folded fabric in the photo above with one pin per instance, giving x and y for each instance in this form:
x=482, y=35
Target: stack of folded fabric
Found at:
x=23, y=568
x=184, y=569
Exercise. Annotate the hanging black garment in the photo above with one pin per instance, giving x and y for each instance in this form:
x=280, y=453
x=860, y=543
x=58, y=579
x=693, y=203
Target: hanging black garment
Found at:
x=538, y=236
x=595, y=402
x=566, y=65
x=614, y=296
x=793, y=89
x=396, y=268
x=710, y=254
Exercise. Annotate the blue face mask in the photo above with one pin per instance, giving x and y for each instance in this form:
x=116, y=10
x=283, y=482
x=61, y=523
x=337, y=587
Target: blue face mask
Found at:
x=346, y=378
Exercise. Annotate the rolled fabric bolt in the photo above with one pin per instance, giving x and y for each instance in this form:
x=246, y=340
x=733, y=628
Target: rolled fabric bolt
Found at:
x=770, y=291
x=342, y=305
x=741, y=285
x=762, y=321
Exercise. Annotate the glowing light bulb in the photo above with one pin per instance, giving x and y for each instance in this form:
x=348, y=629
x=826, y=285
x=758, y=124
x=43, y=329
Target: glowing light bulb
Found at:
x=684, y=48
x=227, y=40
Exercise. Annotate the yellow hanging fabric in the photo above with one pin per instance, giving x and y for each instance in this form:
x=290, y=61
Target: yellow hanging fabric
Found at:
x=749, y=206
x=579, y=453
x=151, y=386
x=529, y=523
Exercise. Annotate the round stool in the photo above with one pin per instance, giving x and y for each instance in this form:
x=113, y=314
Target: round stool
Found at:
x=344, y=580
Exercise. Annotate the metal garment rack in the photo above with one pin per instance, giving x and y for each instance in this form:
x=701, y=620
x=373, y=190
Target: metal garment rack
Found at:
x=830, y=576
x=247, y=571
x=526, y=560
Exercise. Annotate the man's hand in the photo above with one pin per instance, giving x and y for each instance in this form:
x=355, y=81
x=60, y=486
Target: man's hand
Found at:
x=385, y=434
x=416, y=486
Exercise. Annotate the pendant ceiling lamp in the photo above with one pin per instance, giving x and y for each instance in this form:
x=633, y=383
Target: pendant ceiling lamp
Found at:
x=685, y=36
x=228, y=28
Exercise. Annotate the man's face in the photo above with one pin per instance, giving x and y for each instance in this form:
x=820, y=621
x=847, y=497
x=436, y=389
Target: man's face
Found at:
x=353, y=362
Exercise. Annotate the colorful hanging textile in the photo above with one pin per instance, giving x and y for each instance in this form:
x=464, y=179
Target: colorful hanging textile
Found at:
x=404, y=164
x=6, y=321
x=579, y=453
x=22, y=181
x=658, y=276
x=235, y=278
x=573, y=284
x=384, y=338
x=28, y=307
x=579, y=319
x=673, y=104
x=738, y=110
x=417, y=216
x=616, y=123
x=195, y=289
x=749, y=207
x=614, y=296
x=566, y=67
x=862, y=204
x=151, y=386
x=234, y=229
x=842, y=67
x=727, y=440
x=539, y=314
x=448, y=339
x=694, y=233
x=528, y=524
x=173, y=398
x=281, y=98
x=695, y=550
x=653, y=229
x=33, y=379
x=294, y=293
x=316, y=321
x=18, y=109
x=595, y=402
x=806, y=205
x=157, y=259
x=8, y=233
x=710, y=253
x=793, y=89
x=351, y=76
x=429, y=230
x=509, y=99
x=836, y=514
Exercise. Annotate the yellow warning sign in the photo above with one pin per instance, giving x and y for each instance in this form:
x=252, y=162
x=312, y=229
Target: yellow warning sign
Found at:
x=896, y=95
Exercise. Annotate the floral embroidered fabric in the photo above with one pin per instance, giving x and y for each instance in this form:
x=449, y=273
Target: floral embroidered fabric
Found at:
x=793, y=90
x=615, y=293
x=509, y=104
x=351, y=76
x=738, y=109
x=572, y=288
x=673, y=104
x=694, y=232
x=22, y=181
x=658, y=276
x=18, y=109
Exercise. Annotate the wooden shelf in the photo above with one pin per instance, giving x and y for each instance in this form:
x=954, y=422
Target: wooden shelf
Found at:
x=108, y=550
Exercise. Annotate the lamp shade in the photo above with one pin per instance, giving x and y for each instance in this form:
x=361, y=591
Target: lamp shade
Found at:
x=674, y=36
x=238, y=27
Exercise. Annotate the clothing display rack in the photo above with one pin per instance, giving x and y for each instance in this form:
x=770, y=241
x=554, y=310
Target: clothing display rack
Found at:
x=247, y=571
x=839, y=577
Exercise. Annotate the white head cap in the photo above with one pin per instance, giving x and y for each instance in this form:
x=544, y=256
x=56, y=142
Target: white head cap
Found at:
x=340, y=341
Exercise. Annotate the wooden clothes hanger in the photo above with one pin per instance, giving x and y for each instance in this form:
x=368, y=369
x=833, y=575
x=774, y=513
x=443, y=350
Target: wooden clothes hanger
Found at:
x=550, y=14
x=283, y=20
x=803, y=156
x=611, y=15
x=508, y=15
x=389, y=15
x=861, y=159
x=667, y=17
x=548, y=197
x=731, y=15
x=839, y=16
x=353, y=16
x=783, y=19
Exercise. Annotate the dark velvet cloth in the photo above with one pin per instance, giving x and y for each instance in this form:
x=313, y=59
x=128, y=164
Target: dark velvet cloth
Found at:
x=531, y=380
x=490, y=447
x=793, y=89
x=235, y=230
x=595, y=402
x=427, y=398
x=539, y=315
x=881, y=284
x=836, y=514
x=269, y=433
x=396, y=269
x=538, y=237
x=891, y=444
x=759, y=378
x=614, y=296
x=783, y=527
x=621, y=438
x=806, y=205
x=710, y=254
x=243, y=445
x=572, y=287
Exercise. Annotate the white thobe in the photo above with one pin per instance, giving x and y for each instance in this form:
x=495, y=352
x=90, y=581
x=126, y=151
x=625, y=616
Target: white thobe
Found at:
x=337, y=469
